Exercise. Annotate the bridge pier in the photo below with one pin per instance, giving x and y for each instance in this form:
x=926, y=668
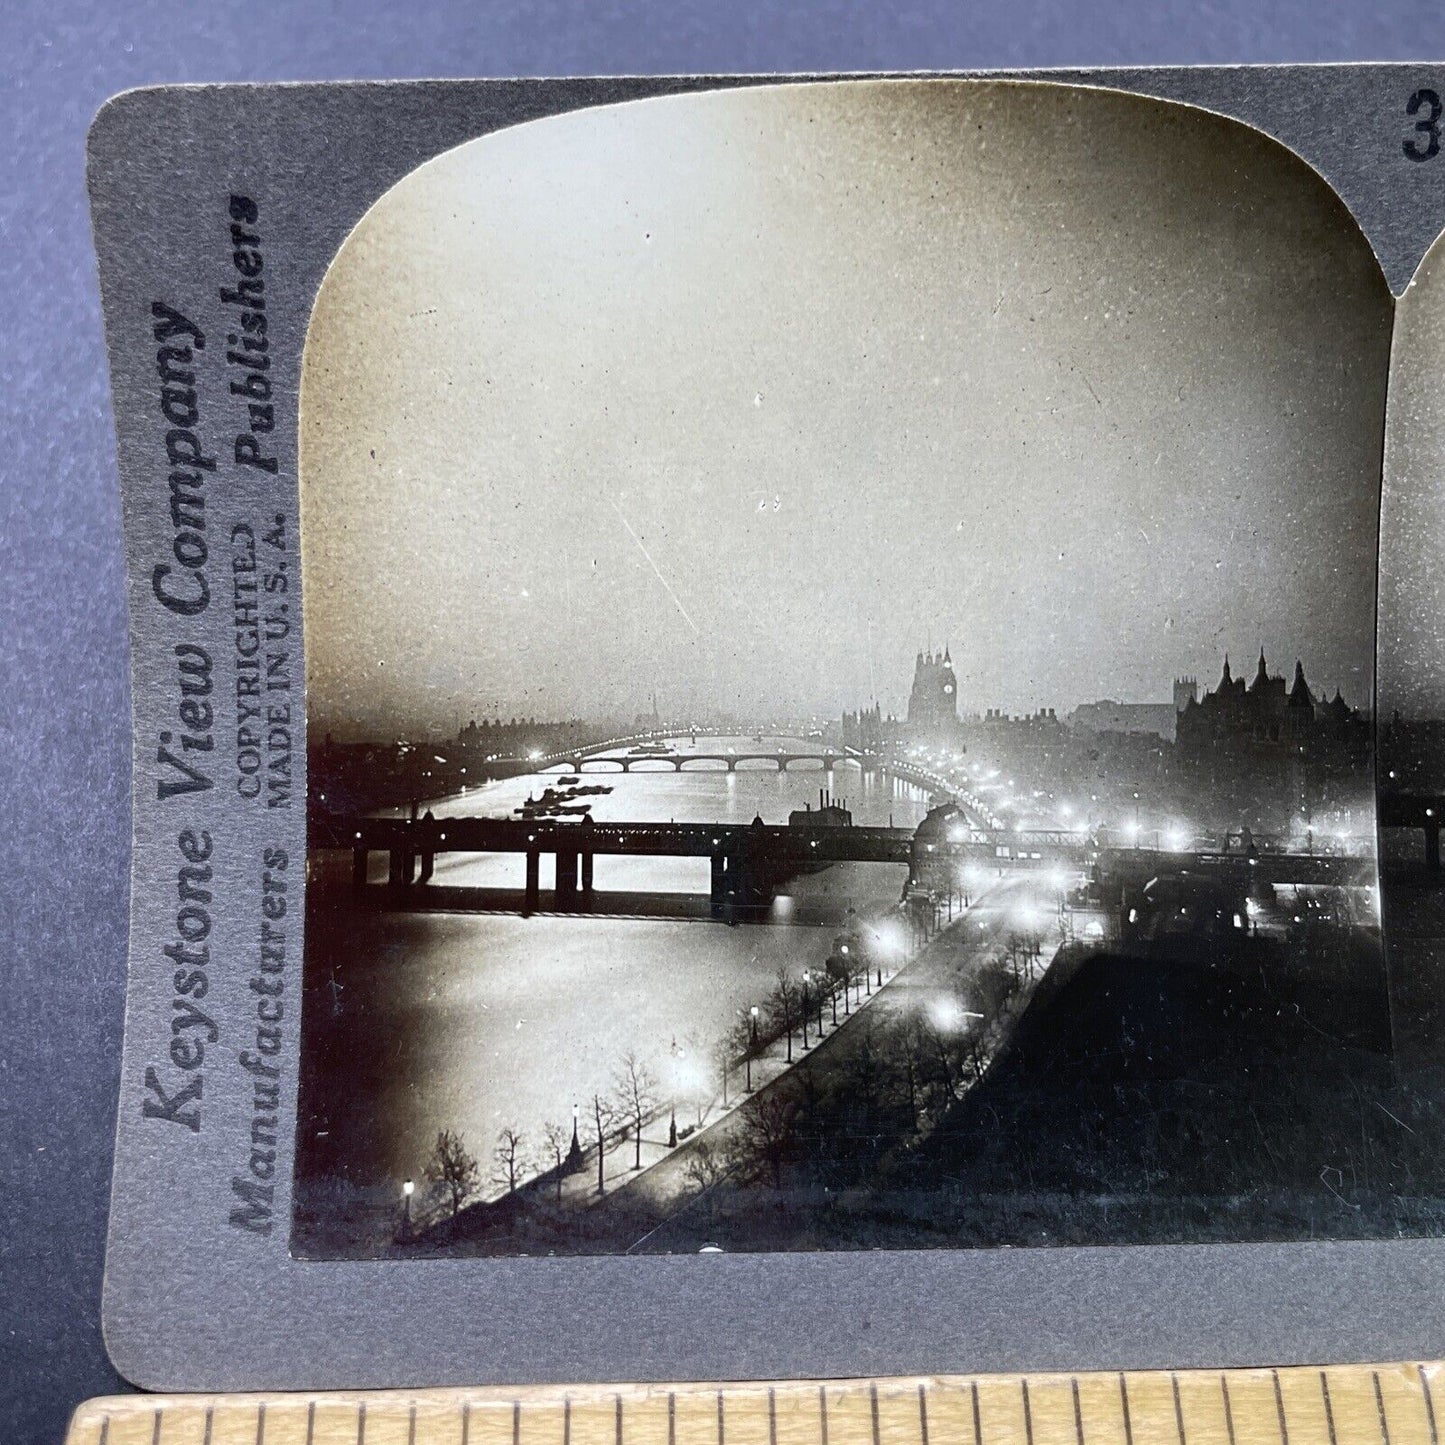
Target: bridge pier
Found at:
x=587, y=860
x=718, y=892
x=360, y=863
x=534, y=879
x=401, y=862
x=428, y=866
x=565, y=893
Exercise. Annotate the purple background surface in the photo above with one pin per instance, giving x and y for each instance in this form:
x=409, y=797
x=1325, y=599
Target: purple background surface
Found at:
x=65, y=714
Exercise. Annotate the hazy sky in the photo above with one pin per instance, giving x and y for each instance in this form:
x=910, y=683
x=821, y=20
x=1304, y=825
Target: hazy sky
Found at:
x=1412, y=581
x=745, y=397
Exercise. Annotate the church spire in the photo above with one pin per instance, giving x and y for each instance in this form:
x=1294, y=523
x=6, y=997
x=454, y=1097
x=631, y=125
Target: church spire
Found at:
x=1299, y=694
x=1226, y=679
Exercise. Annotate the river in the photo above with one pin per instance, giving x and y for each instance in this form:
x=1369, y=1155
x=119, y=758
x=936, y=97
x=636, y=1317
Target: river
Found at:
x=417, y=1022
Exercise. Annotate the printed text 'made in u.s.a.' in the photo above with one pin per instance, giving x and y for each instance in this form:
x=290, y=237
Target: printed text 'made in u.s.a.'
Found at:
x=261, y=613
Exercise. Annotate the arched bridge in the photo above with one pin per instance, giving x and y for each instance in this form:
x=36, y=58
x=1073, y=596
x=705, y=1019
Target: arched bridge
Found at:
x=680, y=762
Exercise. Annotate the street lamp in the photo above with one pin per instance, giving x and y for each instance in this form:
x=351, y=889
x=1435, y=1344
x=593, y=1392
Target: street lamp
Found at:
x=805, y=1010
x=677, y=1053
x=752, y=1044
x=406, y=1192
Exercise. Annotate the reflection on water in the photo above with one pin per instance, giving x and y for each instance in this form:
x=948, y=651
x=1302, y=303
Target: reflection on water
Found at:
x=421, y=1022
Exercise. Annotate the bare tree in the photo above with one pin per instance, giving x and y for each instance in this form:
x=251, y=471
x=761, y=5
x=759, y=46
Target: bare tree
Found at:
x=940, y=1048
x=865, y=1072
x=635, y=1089
x=766, y=1137
x=975, y=1054
x=602, y=1114
x=508, y=1158
x=835, y=982
x=910, y=1041
x=993, y=985
x=783, y=1004
x=858, y=966
x=706, y=1166
x=557, y=1141
x=697, y=1086
x=722, y=1055
x=453, y=1169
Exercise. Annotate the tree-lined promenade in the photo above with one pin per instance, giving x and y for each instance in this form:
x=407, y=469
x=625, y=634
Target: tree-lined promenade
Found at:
x=899, y=1008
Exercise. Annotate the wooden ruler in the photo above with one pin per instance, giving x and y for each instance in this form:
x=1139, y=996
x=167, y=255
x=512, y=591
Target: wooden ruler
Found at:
x=1340, y=1405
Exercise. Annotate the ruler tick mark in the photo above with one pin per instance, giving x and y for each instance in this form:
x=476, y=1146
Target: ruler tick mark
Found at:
x=1293, y=1426
x=1429, y=1405
x=1329, y=1407
x=1228, y=1408
x=1279, y=1408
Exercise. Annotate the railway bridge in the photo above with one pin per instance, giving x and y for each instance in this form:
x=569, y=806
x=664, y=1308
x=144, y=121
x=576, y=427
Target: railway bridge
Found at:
x=749, y=861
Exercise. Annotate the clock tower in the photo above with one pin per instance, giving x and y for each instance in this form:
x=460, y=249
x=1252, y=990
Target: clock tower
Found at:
x=933, y=700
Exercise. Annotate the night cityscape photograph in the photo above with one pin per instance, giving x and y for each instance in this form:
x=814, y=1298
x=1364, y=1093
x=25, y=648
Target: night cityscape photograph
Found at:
x=841, y=662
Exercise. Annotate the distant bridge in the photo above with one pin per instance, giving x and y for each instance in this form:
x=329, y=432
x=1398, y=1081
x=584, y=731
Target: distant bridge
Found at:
x=781, y=761
x=749, y=861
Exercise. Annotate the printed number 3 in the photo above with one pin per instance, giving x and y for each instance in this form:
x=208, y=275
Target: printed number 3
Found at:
x=1428, y=126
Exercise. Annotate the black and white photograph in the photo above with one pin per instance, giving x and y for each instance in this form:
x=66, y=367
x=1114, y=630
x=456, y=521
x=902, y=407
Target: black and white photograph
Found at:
x=840, y=628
